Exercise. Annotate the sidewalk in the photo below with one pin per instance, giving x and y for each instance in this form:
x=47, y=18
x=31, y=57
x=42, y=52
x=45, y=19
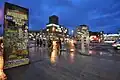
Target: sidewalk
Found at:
x=69, y=66
x=38, y=53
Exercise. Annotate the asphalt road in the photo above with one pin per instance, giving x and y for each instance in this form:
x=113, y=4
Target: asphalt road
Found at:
x=103, y=64
x=105, y=51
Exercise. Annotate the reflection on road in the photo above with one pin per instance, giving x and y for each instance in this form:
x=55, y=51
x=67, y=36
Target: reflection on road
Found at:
x=53, y=57
x=72, y=46
x=72, y=57
x=56, y=52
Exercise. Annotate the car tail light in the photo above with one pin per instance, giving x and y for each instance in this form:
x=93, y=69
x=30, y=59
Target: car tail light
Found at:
x=90, y=52
x=114, y=44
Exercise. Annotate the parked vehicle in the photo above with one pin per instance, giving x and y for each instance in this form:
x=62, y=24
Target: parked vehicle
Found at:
x=116, y=44
x=109, y=41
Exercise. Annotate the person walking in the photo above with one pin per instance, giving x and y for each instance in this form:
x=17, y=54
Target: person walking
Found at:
x=37, y=41
x=50, y=45
x=40, y=43
x=44, y=42
x=60, y=45
x=2, y=74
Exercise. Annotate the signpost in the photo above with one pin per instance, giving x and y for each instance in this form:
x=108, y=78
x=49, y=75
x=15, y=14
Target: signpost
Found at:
x=15, y=35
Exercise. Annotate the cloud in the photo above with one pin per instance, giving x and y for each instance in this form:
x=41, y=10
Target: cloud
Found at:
x=99, y=16
x=73, y=12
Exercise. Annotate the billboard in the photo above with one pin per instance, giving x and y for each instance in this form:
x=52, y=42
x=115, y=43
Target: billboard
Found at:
x=15, y=35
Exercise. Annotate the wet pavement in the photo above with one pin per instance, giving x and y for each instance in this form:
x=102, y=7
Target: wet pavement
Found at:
x=103, y=64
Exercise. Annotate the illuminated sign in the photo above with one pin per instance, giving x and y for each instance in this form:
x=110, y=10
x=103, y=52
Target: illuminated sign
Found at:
x=16, y=36
x=85, y=28
x=8, y=17
x=17, y=14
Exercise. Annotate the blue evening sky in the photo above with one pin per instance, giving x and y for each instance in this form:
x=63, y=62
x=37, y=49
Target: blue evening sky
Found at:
x=99, y=15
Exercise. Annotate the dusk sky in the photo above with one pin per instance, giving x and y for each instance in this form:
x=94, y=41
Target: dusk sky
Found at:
x=99, y=15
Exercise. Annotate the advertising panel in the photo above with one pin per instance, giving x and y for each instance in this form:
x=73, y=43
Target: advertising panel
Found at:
x=15, y=35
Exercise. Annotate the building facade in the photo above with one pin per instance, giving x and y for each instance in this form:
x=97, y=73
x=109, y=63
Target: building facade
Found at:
x=111, y=37
x=54, y=30
x=81, y=34
x=33, y=34
x=96, y=36
x=41, y=34
x=82, y=30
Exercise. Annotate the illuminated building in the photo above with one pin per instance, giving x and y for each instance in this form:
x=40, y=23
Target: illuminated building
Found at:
x=33, y=34
x=42, y=34
x=77, y=33
x=81, y=30
x=111, y=37
x=54, y=30
x=81, y=34
x=98, y=36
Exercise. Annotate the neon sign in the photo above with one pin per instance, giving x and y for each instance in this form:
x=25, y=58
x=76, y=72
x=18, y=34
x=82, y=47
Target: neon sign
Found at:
x=16, y=15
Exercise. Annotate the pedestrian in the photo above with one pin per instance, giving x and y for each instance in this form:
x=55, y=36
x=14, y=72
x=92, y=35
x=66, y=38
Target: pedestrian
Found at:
x=60, y=45
x=37, y=41
x=43, y=42
x=2, y=74
x=40, y=43
x=50, y=45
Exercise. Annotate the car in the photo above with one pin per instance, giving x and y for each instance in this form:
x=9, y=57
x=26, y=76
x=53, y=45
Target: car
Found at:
x=94, y=41
x=116, y=44
x=109, y=41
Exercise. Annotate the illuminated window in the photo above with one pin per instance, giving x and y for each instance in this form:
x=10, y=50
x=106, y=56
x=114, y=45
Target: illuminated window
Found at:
x=53, y=29
x=57, y=30
x=47, y=29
